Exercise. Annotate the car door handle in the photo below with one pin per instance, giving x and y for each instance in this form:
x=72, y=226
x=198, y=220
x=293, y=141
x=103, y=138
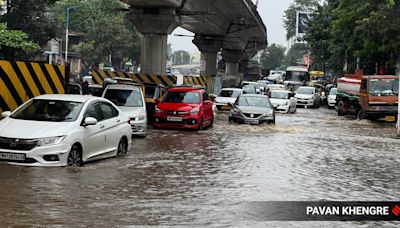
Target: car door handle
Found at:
x=101, y=126
x=118, y=121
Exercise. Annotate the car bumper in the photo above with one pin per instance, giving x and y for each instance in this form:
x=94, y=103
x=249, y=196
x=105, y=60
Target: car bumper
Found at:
x=240, y=118
x=188, y=122
x=37, y=156
x=281, y=108
x=331, y=103
x=222, y=106
x=139, y=128
x=305, y=102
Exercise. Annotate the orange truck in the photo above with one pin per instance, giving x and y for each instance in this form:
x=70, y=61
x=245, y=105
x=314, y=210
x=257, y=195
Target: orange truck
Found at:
x=368, y=96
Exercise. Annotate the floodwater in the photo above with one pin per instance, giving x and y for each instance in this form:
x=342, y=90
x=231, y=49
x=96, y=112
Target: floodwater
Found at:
x=187, y=178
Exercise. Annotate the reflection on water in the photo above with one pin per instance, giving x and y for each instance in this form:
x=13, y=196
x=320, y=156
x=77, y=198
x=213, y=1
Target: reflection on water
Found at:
x=186, y=177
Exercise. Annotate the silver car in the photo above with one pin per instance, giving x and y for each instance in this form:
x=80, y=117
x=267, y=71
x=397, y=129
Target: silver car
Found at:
x=252, y=109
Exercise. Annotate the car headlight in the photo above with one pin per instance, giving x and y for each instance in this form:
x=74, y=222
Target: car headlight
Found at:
x=235, y=110
x=157, y=110
x=140, y=118
x=270, y=113
x=49, y=140
x=286, y=103
x=194, y=111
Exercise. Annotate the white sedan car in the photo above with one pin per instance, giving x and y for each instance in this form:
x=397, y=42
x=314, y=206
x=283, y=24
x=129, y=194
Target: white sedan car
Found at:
x=60, y=130
x=283, y=101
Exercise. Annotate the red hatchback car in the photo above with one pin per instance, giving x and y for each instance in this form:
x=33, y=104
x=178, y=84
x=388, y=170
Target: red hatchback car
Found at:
x=184, y=107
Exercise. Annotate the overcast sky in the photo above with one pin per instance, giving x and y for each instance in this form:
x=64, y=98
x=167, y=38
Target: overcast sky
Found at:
x=271, y=12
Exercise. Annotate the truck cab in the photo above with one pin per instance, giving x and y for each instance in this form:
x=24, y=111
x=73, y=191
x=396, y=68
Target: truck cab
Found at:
x=368, y=96
x=379, y=95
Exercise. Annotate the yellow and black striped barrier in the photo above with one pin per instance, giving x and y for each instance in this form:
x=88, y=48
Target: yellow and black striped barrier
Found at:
x=20, y=81
x=98, y=77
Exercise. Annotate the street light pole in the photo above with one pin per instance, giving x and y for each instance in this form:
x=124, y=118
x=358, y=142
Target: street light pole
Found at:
x=67, y=33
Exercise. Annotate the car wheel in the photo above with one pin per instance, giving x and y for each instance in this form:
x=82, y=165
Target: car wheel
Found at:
x=201, y=124
x=75, y=156
x=340, y=111
x=122, y=148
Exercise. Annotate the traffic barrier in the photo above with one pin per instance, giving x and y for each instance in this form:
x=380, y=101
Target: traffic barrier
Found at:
x=21, y=81
x=98, y=77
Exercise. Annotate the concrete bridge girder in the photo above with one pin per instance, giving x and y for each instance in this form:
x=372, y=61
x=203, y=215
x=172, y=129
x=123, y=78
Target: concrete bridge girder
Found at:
x=235, y=22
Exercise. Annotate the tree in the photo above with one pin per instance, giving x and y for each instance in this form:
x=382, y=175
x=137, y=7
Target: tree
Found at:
x=295, y=55
x=180, y=57
x=368, y=31
x=33, y=17
x=106, y=32
x=14, y=43
x=272, y=57
x=289, y=19
x=317, y=37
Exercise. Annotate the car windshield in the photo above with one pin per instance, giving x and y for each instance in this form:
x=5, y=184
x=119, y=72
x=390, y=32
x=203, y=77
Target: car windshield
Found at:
x=49, y=110
x=125, y=97
x=305, y=90
x=279, y=95
x=182, y=97
x=249, y=89
x=96, y=91
x=384, y=87
x=229, y=93
x=254, y=101
x=150, y=91
x=333, y=91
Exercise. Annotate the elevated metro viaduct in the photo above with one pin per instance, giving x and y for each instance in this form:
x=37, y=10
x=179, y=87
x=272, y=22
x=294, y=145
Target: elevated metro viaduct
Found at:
x=231, y=26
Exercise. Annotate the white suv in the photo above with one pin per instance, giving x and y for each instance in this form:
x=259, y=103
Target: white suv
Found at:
x=130, y=100
x=307, y=96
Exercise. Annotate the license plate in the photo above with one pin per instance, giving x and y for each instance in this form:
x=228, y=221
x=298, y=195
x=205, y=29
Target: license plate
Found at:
x=390, y=118
x=13, y=157
x=174, y=119
x=252, y=121
x=226, y=107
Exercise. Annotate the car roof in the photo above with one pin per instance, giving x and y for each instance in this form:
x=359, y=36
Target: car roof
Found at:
x=185, y=89
x=310, y=87
x=281, y=91
x=248, y=82
x=66, y=97
x=253, y=95
x=232, y=89
x=95, y=85
x=123, y=86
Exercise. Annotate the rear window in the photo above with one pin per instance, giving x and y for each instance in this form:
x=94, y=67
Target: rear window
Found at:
x=125, y=97
x=182, y=97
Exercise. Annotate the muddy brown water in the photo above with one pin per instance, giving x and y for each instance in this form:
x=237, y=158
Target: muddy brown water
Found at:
x=187, y=178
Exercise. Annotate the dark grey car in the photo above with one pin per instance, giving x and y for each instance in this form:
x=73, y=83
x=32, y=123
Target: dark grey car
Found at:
x=252, y=109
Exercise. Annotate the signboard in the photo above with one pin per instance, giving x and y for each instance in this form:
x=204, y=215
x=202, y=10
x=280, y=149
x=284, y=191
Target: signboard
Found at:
x=302, y=20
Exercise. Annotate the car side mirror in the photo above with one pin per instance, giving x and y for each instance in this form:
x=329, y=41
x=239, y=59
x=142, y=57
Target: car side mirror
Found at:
x=5, y=114
x=89, y=121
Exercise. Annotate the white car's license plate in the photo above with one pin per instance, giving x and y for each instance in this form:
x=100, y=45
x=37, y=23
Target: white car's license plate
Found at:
x=174, y=119
x=12, y=157
x=252, y=121
x=225, y=107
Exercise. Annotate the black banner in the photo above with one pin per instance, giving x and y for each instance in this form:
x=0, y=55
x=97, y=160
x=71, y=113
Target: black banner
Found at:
x=320, y=211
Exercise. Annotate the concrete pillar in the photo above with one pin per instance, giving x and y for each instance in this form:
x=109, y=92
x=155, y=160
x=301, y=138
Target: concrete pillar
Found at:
x=232, y=58
x=155, y=25
x=209, y=48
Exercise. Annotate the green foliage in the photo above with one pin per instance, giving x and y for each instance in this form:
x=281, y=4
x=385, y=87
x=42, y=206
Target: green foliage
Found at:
x=289, y=20
x=180, y=57
x=106, y=31
x=295, y=55
x=13, y=43
x=343, y=31
x=272, y=56
x=34, y=17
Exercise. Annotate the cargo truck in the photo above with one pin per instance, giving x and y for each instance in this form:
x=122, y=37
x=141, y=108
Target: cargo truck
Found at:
x=368, y=96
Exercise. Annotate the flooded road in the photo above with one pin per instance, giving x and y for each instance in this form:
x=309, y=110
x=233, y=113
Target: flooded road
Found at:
x=191, y=178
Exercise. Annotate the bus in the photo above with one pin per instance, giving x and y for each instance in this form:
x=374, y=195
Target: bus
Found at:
x=295, y=77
